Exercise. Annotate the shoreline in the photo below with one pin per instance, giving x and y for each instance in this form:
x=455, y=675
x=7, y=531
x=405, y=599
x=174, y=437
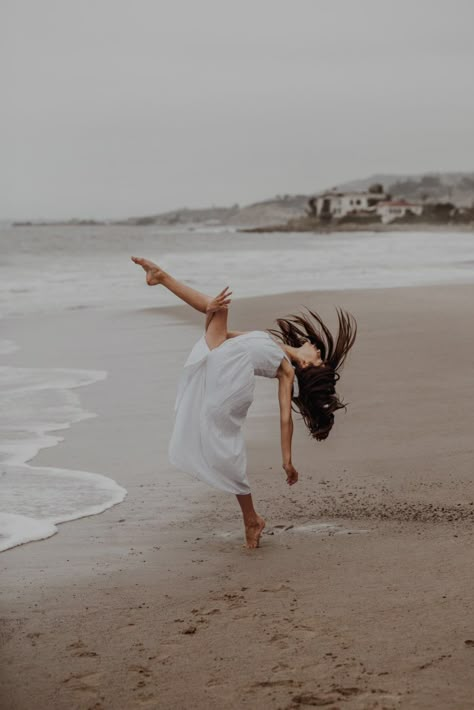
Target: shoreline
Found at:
x=351, y=227
x=283, y=227
x=371, y=611
x=38, y=486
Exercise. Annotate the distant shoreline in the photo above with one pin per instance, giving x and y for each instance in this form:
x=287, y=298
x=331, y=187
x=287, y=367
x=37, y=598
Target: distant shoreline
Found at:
x=316, y=228
x=439, y=201
x=351, y=227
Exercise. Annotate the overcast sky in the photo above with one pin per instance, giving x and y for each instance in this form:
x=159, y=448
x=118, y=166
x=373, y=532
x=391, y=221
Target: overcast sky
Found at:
x=125, y=107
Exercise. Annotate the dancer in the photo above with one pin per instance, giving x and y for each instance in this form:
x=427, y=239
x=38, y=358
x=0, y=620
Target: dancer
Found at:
x=217, y=386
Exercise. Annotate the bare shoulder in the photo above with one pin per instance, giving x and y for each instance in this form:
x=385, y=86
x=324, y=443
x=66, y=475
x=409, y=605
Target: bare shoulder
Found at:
x=285, y=371
x=235, y=333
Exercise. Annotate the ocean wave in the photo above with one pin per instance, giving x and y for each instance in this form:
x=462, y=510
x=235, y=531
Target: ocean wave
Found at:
x=59, y=270
x=38, y=403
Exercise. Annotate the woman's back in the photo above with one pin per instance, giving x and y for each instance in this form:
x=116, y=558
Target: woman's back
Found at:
x=264, y=353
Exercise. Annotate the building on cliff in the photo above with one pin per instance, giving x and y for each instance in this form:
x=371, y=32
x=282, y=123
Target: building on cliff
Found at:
x=389, y=210
x=336, y=204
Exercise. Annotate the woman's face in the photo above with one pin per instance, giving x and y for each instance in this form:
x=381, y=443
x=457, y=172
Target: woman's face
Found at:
x=310, y=356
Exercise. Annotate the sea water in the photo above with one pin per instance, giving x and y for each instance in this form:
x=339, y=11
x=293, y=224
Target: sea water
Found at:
x=49, y=268
x=37, y=403
x=46, y=269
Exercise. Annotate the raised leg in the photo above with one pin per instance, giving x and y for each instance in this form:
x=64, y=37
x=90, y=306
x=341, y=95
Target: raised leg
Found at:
x=254, y=524
x=215, y=308
x=156, y=275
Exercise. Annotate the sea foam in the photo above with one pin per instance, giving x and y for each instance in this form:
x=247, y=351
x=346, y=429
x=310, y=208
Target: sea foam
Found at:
x=45, y=270
x=37, y=403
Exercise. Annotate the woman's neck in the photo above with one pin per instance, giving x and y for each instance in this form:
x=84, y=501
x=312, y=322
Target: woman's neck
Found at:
x=293, y=353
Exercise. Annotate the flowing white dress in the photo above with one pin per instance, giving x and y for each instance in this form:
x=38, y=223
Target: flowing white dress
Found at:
x=214, y=393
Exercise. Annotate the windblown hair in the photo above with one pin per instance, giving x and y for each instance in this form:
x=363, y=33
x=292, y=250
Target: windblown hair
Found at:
x=317, y=400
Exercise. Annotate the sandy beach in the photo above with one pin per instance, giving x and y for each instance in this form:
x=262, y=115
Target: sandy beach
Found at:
x=360, y=595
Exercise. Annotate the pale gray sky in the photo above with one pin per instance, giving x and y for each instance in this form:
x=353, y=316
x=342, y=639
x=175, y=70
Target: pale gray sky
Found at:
x=124, y=107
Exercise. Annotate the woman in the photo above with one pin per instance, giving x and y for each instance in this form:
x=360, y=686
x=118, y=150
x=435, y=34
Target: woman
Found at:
x=216, y=389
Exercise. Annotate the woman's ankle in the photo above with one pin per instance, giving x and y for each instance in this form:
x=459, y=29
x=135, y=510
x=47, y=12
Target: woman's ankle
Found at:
x=252, y=522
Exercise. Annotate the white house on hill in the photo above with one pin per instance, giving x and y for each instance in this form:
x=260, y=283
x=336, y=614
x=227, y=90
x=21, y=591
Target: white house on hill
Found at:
x=395, y=209
x=336, y=204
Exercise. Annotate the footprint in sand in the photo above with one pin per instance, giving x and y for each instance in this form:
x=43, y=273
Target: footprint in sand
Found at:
x=128, y=628
x=189, y=630
x=280, y=667
x=339, y=694
x=142, y=674
x=283, y=683
x=85, y=654
x=433, y=662
x=206, y=612
x=280, y=588
x=281, y=641
x=163, y=658
x=79, y=650
x=311, y=699
x=85, y=683
x=302, y=631
x=76, y=644
x=232, y=599
x=141, y=670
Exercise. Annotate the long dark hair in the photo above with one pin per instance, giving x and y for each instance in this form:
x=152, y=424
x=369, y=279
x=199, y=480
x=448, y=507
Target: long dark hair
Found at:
x=317, y=399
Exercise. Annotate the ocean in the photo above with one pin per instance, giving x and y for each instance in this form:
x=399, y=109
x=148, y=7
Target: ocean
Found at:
x=48, y=269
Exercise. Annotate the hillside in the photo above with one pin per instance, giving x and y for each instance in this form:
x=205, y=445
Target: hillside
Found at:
x=441, y=187
x=435, y=187
x=277, y=210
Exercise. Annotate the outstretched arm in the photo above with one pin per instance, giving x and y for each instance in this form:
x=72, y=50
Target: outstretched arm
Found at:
x=286, y=376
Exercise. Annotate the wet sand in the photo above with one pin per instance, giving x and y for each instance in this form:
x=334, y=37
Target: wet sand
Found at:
x=360, y=595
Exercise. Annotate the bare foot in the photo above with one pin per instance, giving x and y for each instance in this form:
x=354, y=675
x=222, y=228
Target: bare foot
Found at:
x=154, y=275
x=253, y=533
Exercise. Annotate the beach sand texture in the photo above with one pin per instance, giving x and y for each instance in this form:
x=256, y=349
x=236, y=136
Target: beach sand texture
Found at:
x=360, y=595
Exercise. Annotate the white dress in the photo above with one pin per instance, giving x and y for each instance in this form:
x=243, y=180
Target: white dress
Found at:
x=214, y=393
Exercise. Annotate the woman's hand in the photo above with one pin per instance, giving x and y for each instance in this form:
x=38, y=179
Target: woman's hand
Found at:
x=291, y=473
x=221, y=301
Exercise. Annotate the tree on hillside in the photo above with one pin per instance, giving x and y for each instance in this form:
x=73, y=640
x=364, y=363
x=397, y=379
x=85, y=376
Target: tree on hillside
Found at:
x=376, y=188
